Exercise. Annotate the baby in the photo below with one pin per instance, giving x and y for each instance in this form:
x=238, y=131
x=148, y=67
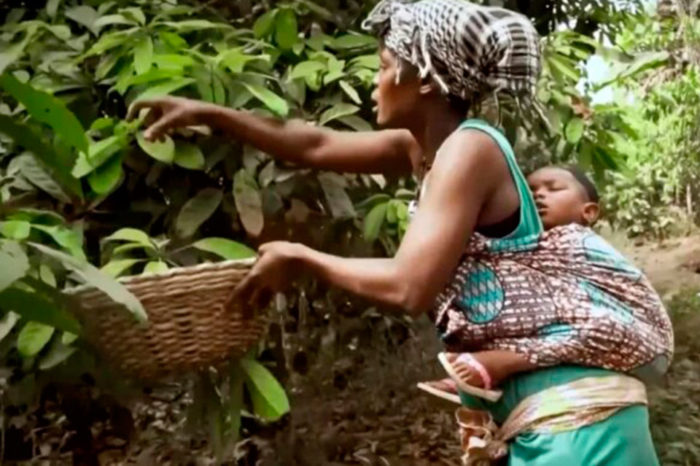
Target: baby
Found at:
x=625, y=326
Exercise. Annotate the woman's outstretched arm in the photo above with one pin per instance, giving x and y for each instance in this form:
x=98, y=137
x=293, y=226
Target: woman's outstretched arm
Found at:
x=387, y=151
x=467, y=171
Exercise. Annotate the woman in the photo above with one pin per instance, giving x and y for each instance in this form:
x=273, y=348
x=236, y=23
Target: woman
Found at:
x=439, y=58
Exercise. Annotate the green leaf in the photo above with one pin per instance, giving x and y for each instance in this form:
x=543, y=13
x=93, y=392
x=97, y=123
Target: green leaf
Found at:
x=196, y=211
x=14, y=263
x=374, y=221
x=286, y=29
x=98, y=153
x=47, y=109
x=337, y=111
x=350, y=91
x=189, y=156
x=32, y=338
x=351, y=41
x=15, y=229
x=11, y=53
x=67, y=338
x=27, y=138
x=94, y=277
x=143, y=55
x=195, y=25
x=155, y=267
x=36, y=307
x=7, y=323
x=107, y=176
x=271, y=100
x=117, y=267
x=136, y=14
x=109, y=20
x=132, y=235
x=165, y=89
x=355, y=122
x=57, y=354
x=112, y=40
x=268, y=396
x=263, y=25
x=84, y=15
x=68, y=239
x=40, y=177
x=306, y=69
x=224, y=248
x=52, y=7
x=173, y=40
x=339, y=202
x=574, y=130
x=162, y=151
x=246, y=195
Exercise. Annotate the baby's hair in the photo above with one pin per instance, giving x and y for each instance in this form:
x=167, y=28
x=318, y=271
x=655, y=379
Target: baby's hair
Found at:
x=585, y=182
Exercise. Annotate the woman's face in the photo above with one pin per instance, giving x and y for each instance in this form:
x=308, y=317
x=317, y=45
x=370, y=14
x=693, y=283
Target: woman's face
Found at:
x=396, y=102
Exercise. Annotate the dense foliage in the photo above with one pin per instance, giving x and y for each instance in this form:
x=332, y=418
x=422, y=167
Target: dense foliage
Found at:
x=84, y=198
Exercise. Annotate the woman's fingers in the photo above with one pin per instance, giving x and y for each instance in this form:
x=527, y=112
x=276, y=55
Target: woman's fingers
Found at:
x=160, y=128
x=136, y=107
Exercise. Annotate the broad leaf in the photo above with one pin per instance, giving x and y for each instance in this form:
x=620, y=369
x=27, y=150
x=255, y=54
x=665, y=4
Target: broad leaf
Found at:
x=107, y=176
x=109, y=20
x=35, y=307
x=90, y=275
x=271, y=100
x=350, y=91
x=32, y=338
x=143, y=55
x=225, y=248
x=268, y=396
x=132, y=235
x=14, y=263
x=40, y=177
x=117, y=267
x=196, y=211
x=11, y=53
x=574, y=130
x=351, y=41
x=155, y=267
x=165, y=89
x=248, y=202
x=195, y=25
x=68, y=239
x=47, y=109
x=98, y=153
x=84, y=15
x=374, y=221
x=162, y=151
x=189, y=155
x=306, y=69
x=339, y=202
x=264, y=24
x=356, y=123
x=112, y=40
x=286, y=29
x=15, y=229
x=337, y=111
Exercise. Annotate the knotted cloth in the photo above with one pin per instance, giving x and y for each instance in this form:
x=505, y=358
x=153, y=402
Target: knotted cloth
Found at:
x=470, y=51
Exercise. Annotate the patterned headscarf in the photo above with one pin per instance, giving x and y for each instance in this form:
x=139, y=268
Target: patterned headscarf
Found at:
x=469, y=50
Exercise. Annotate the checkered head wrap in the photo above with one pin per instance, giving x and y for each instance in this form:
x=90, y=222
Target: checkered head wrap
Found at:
x=469, y=50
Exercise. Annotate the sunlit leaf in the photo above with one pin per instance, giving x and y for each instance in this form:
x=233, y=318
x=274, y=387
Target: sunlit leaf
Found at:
x=84, y=15
x=163, y=151
x=574, y=130
x=33, y=306
x=117, y=267
x=337, y=111
x=286, y=28
x=15, y=229
x=188, y=156
x=155, y=267
x=7, y=323
x=143, y=55
x=350, y=91
x=69, y=239
x=268, y=396
x=374, y=221
x=32, y=338
x=271, y=100
x=165, y=88
x=350, y=41
x=263, y=25
x=225, y=248
x=107, y=176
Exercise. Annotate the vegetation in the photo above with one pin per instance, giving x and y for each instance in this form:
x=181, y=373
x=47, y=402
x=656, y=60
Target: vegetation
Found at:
x=84, y=198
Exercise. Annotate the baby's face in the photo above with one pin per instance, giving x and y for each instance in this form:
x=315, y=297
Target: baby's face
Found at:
x=559, y=198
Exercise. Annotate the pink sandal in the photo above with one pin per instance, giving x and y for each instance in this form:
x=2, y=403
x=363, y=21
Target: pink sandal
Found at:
x=433, y=388
x=476, y=366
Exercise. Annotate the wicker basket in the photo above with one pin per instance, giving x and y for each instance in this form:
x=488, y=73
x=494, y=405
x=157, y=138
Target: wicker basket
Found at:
x=187, y=327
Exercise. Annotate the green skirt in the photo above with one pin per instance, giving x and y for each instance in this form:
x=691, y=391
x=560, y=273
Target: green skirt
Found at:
x=623, y=439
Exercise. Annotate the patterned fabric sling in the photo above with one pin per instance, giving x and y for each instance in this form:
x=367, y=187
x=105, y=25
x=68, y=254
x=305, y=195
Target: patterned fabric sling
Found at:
x=560, y=296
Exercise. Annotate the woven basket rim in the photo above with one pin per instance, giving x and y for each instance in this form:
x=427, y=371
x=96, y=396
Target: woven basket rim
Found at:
x=175, y=271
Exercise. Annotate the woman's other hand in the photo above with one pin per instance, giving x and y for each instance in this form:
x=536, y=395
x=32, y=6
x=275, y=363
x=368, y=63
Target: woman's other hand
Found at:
x=275, y=270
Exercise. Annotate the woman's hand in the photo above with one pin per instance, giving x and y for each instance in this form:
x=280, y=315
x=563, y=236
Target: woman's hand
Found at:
x=277, y=267
x=167, y=114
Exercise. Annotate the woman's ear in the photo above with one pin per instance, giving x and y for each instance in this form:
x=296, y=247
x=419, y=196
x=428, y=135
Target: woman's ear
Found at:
x=428, y=86
x=591, y=212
